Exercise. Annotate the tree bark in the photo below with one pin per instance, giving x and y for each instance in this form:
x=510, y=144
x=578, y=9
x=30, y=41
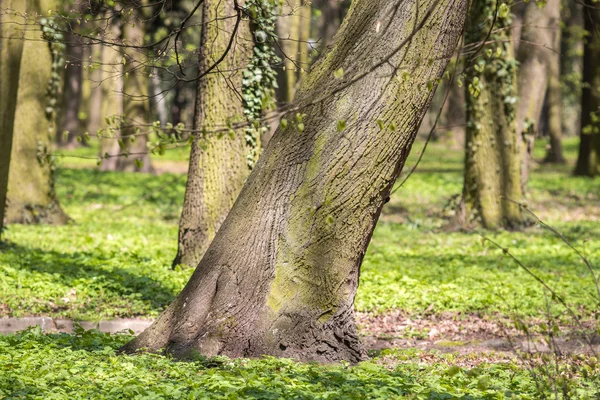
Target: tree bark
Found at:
x=31, y=196
x=72, y=92
x=11, y=50
x=136, y=104
x=218, y=163
x=280, y=276
x=588, y=162
x=540, y=41
x=112, y=99
x=492, y=159
x=554, y=154
x=288, y=30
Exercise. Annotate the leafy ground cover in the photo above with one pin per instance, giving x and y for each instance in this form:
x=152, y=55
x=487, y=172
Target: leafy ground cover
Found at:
x=114, y=260
x=86, y=365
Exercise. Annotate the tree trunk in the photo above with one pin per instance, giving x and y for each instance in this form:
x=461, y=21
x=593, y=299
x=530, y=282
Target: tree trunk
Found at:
x=31, y=196
x=492, y=160
x=94, y=106
x=112, y=100
x=218, y=163
x=288, y=30
x=11, y=49
x=71, y=92
x=539, y=35
x=304, y=45
x=554, y=155
x=281, y=275
x=588, y=162
x=136, y=105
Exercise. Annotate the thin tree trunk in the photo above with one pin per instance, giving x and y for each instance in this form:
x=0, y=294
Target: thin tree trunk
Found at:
x=136, y=105
x=554, y=154
x=71, y=92
x=281, y=275
x=588, y=162
x=304, y=49
x=492, y=160
x=112, y=100
x=94, y=122
x=31, y=196
x=218, y=163
x=288, y=30
x=539, y=35
x=11, y=50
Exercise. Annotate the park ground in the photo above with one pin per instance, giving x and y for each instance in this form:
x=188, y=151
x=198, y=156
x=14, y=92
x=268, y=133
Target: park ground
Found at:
x=445, y=313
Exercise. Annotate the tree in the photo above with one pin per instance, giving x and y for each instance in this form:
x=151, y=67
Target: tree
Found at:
x=11, y=50
x=538, y=51
x=588, y=162
x=281, y=274
x=71, y=92
x=218, y=162
x=136, y=105
x=492, y=159
x=31, y=196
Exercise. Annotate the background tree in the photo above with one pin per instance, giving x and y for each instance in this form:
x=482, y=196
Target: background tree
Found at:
x=540, y=40
x=281, y=274
x=11, y=49
x=218, y=160
x=69, y=128
x=588, y=162
x=31, y=193
x=492, y=159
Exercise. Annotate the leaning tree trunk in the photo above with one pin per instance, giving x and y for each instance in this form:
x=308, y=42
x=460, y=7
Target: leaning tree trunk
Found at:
x=136, y=104
x=281, y=275
x=11, y=49
x=541, y=29
x=554, y=153
x=218, y=163
x=588, y=162
x=31, y=196
x=492, y=160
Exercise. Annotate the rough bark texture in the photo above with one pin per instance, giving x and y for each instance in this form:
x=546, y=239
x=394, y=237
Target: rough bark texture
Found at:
x=136, y=105
x=281, y=275
x=72, y=92
x=218, y=163
x=492, y=159
x=11, y=49
x=540, y=38
x=554, y=154
x=31, y=197
x=588, y=162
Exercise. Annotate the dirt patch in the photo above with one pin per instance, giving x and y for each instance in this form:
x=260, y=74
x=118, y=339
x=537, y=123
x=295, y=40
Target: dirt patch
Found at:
x=470, y=334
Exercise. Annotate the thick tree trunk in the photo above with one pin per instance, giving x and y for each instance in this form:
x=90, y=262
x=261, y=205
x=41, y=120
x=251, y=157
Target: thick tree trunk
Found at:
x=218, y=163
x=492, y=160
x=588, y=162
x=31, y=196
x=71, y=92
x=540, y=38
x=11, y=50
x=554, y=155
x=136, y=105
x=281, y=275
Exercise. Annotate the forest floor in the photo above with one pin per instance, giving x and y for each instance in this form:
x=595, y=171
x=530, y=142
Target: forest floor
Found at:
x=444, y=312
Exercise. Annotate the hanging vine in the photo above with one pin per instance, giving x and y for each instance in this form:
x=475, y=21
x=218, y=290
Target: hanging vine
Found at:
x=259, y=78
x=50, y=33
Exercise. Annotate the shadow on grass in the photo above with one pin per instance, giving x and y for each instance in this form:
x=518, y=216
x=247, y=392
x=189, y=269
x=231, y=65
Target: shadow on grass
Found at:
x=103, y=284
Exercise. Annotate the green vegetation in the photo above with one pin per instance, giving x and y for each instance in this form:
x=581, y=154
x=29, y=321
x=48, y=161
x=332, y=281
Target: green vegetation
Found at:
x=114, y=260
x=85, y=366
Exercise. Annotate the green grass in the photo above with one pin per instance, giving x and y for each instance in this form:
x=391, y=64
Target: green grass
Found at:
x=114, y=260
x=86, y=366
